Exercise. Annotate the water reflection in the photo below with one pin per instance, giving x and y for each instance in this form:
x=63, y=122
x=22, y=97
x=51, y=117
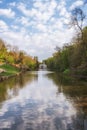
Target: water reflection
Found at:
x=74, y=90
x=36, y=101
x=11, y=87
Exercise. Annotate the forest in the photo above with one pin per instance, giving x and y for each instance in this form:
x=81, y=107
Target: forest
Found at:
x=71, y=59
x=13, y=61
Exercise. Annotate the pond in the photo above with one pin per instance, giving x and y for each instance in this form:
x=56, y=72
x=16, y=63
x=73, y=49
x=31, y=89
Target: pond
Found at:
x=40, y=100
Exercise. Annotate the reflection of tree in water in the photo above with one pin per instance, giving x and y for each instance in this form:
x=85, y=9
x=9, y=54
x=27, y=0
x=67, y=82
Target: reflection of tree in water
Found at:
x=12, y=86
x=74, y=90
x=47, y=112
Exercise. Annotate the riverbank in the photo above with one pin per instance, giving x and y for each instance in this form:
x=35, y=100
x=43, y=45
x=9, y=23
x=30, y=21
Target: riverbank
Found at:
x=7, y=71
x=72, y=74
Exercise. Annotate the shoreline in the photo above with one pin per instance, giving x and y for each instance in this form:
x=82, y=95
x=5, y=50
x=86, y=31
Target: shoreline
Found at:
x=2, y=78
x=7, y=71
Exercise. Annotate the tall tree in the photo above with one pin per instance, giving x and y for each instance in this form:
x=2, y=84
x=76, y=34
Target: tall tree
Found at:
x=77, y=20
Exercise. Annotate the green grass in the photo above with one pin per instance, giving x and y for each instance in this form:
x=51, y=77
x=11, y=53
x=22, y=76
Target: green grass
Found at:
x=9, y=70
x=6, y=74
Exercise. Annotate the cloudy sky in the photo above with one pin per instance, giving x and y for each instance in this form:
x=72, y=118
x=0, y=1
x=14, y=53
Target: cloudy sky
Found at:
x=37, y=26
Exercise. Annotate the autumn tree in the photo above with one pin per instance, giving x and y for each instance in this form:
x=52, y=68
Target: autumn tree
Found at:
x=3, y=51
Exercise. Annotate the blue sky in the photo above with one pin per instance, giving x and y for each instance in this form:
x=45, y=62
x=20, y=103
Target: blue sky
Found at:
x=37, y=26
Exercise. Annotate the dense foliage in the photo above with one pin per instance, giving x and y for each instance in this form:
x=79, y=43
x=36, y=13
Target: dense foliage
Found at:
x=72, y=58
x=11, y=55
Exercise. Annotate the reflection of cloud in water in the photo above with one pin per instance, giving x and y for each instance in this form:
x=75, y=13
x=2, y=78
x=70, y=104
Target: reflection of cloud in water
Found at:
x=37, y=107
x=38, y=114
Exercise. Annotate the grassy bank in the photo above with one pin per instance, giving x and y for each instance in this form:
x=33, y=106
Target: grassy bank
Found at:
x=8, y=71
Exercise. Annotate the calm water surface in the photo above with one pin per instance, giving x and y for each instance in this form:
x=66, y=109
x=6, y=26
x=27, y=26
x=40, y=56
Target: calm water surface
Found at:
x=41, y=101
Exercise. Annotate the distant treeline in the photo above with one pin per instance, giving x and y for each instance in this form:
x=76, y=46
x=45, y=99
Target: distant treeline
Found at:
x=11, y=55
x=72, y=58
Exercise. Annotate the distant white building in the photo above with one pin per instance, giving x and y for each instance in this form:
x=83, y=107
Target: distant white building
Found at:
x=43, y=66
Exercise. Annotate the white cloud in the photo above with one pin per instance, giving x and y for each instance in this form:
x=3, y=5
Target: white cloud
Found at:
x=7, y=12
x=13, y=4
x=24, y=21
x=14, y=27
x=61, y=5
x=63, y=12
x=41, y=27
x=62, y=9
x=39, y=5
x=3, y=26
x=76, y=4
x=44, y=7
x=22, y=8
x=40, y=11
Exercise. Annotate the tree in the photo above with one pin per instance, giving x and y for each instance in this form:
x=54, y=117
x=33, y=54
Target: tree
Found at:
x=3, y=51
x=77, y=20
x=36, y=61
